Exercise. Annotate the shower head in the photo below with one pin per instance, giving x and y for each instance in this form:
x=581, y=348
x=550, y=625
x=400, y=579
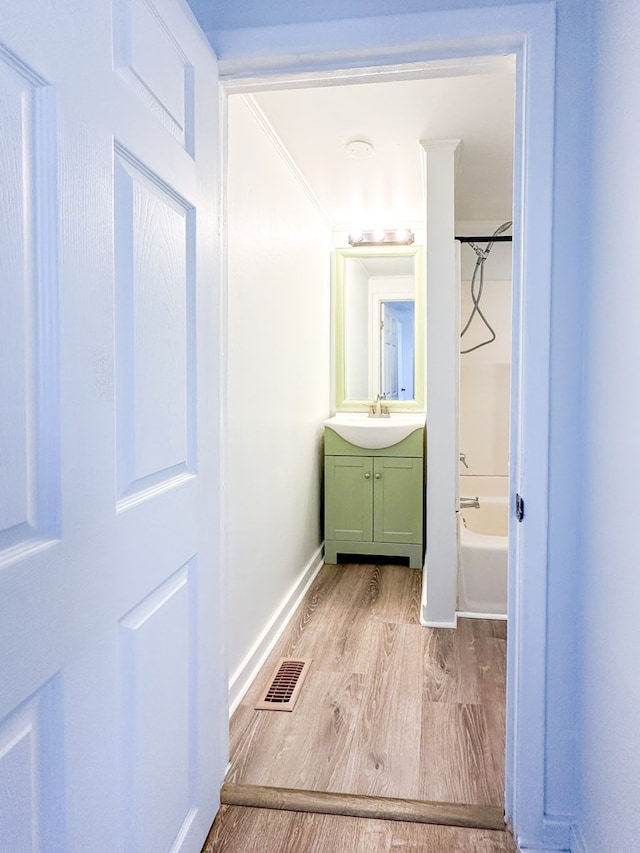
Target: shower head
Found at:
x=482, y=254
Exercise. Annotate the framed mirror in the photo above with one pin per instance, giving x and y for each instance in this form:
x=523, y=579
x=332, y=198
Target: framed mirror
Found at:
x=379, y=327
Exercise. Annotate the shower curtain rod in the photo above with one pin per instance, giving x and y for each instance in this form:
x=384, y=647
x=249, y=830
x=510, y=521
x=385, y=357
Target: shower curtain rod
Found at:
x=499, y=239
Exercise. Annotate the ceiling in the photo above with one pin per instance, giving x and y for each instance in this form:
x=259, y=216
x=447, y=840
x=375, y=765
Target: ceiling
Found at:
x=386, y=189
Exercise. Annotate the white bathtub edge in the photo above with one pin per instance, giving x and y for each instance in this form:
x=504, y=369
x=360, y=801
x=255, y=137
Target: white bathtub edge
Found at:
x=464, y=614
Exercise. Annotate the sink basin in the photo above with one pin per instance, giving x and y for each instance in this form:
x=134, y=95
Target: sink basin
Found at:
x=374, y=433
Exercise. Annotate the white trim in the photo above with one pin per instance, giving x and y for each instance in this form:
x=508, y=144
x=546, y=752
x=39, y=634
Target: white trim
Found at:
x=429, y=623
x=554, y=838
x=223, y=373
x=277, y=144
x=243, y=677
x=464, y=614
x=451, y=36
x=459, y=67
x=526, y=740
x=441, y=317
x=544, y=850
x=426, y=624
x=454, y=145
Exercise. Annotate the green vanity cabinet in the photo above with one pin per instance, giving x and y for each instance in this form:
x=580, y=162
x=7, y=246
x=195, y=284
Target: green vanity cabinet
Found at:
x=374, y=499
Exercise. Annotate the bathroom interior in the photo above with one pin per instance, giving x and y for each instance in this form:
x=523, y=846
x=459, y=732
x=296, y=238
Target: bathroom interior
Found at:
x=297, y=189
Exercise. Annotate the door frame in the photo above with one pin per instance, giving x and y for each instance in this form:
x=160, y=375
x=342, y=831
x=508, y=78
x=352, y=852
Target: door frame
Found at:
x=436, y=43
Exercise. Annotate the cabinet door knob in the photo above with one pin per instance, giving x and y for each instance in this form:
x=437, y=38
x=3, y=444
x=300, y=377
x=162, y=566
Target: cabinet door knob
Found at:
x=378, y=476
x=366, y=476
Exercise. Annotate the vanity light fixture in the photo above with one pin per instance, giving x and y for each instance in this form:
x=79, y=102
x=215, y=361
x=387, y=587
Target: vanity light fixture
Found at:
x=380, y=237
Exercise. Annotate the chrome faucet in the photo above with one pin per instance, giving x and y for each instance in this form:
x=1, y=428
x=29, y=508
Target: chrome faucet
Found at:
x=470, y=503
x=377, y=410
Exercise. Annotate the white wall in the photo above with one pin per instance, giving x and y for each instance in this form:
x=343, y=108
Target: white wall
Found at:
x=440, y=583
x=610, y=567
x=485, y=372
x=277, y=382
x=356, y=330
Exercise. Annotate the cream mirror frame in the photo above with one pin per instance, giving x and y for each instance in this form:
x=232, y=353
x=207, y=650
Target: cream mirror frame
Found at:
x=370, y=348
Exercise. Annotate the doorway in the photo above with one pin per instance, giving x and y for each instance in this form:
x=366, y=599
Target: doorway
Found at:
x=383, y=309
x=529, y=399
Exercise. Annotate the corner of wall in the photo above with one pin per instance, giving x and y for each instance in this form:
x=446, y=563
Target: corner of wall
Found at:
x=242, y=678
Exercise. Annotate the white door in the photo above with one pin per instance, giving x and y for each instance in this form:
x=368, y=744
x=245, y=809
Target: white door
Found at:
x=389, y=368
x=112, y=717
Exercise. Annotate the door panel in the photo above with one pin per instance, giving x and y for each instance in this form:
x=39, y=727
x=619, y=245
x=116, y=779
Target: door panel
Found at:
x=29, y=453
x=349, y=498
x=30, y=745
x=155, y=65
x=158, y=653
x=113, y=704
x=155, y=299
x=398, y=500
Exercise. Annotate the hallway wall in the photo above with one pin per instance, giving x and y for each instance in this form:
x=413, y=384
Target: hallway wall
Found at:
x=278, y=368
x=610, y=575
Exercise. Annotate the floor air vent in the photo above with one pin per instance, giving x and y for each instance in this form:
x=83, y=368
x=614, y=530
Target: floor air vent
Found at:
x=284, y=686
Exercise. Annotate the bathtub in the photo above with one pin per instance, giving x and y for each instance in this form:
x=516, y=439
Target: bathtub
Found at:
x=482, y=582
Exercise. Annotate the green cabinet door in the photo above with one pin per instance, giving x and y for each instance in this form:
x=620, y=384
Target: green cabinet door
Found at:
x=349, y=498
x=397, y=507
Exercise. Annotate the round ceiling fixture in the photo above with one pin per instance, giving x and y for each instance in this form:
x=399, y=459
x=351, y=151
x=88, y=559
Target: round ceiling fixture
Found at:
x=360, y=149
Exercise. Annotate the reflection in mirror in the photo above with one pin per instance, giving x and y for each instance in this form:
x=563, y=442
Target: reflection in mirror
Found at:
x=397, y=324
x=377, y=339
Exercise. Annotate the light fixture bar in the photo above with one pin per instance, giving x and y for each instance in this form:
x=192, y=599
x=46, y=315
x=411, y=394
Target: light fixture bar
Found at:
x=382, y=237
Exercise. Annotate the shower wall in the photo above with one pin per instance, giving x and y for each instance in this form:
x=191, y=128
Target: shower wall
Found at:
x=485, y=372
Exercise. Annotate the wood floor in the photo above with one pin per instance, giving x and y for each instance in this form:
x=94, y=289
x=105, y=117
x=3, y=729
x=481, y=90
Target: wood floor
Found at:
x=389, y=708
x=244, y=830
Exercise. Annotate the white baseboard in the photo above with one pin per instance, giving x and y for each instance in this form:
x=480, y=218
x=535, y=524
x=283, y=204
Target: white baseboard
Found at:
x=460, y=614
x=543, y=850
x=429, y=624
x=464, y=614
x=241, y=679
x=560, y=828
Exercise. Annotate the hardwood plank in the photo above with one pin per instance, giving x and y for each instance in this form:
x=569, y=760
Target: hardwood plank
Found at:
x=240, y=829
x=456, y=755
x=493, y=678
x=450, y=666
x=498, y=628
x=361, y=805
x=302, y=748
x=394, y=594
x=326, y=625
x=388, y=733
